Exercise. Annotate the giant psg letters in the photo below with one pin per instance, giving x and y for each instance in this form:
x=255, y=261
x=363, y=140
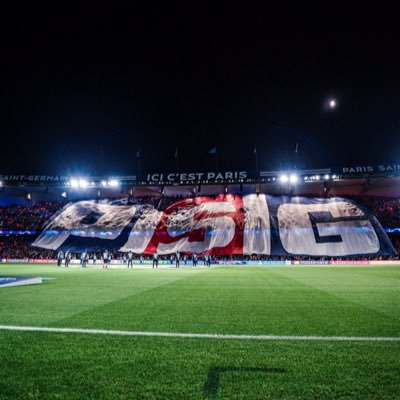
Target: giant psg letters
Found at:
x=228, y=224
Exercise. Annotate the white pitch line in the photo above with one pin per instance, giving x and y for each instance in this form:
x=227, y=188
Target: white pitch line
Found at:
x=200, y=335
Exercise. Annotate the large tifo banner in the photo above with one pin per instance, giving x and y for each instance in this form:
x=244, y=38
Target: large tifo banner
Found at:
x=228, y=224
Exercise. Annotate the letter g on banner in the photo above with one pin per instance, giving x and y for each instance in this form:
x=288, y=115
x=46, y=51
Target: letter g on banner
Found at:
x=336, y=228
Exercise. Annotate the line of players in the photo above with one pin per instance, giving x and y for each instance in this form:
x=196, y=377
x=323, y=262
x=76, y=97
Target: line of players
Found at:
x=174, y=259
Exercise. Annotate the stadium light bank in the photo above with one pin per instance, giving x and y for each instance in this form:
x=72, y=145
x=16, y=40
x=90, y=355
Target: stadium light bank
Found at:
x=85, y=183
x=285, y=178
x=78, y=183
x=110, y=183
x=326, y=177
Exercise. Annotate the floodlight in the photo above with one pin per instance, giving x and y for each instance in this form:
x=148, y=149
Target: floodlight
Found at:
x=74, y=183
x=284, y=178
x=113, y=183
x=293, y=178
x=326, y=176
x=83, y=183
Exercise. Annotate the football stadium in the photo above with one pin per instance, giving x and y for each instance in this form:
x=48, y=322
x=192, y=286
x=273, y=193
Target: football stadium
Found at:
x=199, y=202
x=201, y=284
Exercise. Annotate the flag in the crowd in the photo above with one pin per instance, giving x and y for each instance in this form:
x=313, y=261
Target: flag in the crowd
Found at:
x=213, y=151
x=297, y=147
x=255, y=149
x=176, y=153
x=246, y=224
x=138, y=154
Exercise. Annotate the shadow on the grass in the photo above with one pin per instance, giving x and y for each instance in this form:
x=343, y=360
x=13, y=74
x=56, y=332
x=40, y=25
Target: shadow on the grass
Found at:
x=211, y=385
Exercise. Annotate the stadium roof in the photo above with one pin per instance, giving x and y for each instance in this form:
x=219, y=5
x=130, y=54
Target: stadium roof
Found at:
x=349, y=181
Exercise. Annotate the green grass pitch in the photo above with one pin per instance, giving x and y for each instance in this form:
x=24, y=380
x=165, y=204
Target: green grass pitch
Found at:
x=248, y=300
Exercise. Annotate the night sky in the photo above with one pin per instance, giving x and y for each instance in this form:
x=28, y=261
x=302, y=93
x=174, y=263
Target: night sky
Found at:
x=83, y=92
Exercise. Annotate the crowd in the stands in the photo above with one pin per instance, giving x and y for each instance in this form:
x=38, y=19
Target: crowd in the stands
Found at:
x=386, y=210
x=19, y=247
x=27, y=217
x=33, y=216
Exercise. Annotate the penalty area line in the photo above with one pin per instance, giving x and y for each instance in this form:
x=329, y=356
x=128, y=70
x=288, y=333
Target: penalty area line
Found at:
x=200, y=335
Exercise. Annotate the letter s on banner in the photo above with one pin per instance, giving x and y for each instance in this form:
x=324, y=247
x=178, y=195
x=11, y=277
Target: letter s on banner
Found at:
x=336, y=228
x=199, y=225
